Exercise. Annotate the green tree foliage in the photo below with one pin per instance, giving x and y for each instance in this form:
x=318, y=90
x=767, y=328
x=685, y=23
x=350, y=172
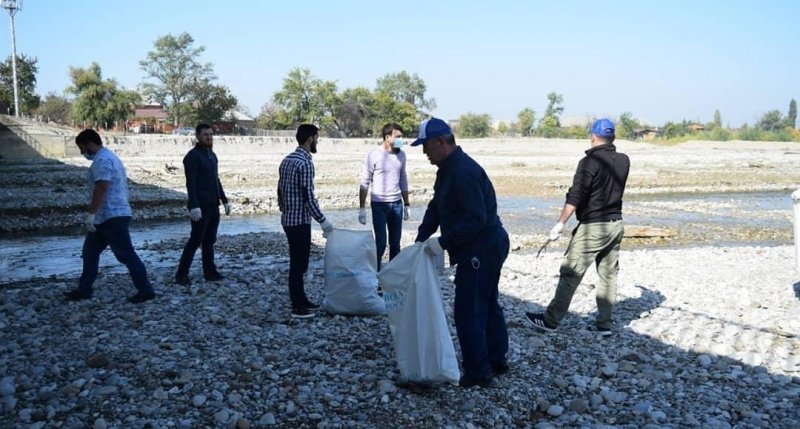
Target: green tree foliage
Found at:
x=172, y=72
x=55, y=108
x=526, y=119
x=771, y=121
x=92, y=94
x=502, y=128
x=273, y=117
x=212, y=102
x=627, y=126
x=474, y=125
x=791, y=117
x=354, y=113
x=27, y=69
x=305, y=99
x=121, y=103
x=403, y=87
x=555, y=106
x=717, y=119
x=548, y=127
x=386, y=109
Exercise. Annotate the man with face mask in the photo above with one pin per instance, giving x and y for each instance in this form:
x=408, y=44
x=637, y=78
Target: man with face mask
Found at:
x=385, y=170
x=107, y=220
x=464, y=209
x=298, y=205
x=596, y=199
x=205, y=193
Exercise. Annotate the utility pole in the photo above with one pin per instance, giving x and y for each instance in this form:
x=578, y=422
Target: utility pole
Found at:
x=12, y=6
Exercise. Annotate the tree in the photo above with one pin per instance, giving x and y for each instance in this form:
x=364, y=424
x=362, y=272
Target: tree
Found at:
x=717, y=119
x=92, y=94
x=386, y=109
x=771, y=121
x=173, y=72
x=212, y=102
x=55, y=108
x=306, y=99
x=474, y=125
x=121, y=103
x=403, y=87
x=627, y=126
x=548, y=127
x=502, y=128
x=26, y=84
x=555, y=106
x=791, y=117
x=273, y=117
x=525, y=121
x=354, y=113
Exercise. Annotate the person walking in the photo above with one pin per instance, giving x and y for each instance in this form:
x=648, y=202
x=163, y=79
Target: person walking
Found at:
x=596, y=199
x=464, y=209
x=385, y=171
x=298, y=205
x=205, y=193
x=107, y=220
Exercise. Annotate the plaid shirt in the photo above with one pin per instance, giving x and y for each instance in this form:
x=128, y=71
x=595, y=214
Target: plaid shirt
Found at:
x=296, y=198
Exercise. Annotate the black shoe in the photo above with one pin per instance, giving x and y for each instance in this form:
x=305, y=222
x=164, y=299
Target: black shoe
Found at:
x=182, y=279
x=76, y=295
x=538, y=322
x=313, y=307
x=302, y=313
x=141, y=297
x=499, y=369
x=213, y=277
x=603, y=332
x=467, y=381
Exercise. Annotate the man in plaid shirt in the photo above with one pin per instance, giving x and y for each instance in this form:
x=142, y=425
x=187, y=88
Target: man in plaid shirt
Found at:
x=298, y=205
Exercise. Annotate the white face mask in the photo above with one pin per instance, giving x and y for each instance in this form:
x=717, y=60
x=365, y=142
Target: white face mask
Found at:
x=398, y=143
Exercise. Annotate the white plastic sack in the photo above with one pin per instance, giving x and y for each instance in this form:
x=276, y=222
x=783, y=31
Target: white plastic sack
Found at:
x=351, y=284
x=415, y=307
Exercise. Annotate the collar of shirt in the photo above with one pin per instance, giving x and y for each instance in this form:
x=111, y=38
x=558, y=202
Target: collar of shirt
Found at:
x=303, y=151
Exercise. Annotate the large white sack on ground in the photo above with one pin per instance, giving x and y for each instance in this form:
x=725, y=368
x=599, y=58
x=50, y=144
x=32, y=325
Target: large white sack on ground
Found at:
x=422, y=341
x=351, y=284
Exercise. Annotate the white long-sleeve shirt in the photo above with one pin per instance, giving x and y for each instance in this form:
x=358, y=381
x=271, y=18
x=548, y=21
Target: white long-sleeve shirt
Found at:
x=386, y=172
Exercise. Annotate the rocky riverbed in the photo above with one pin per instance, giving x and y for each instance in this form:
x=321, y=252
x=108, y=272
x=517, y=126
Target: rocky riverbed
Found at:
x=706, y=336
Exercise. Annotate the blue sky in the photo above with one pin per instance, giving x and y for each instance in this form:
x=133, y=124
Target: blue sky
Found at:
x=660, y=60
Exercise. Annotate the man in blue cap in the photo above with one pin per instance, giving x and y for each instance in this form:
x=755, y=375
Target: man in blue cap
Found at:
x=464, y=207
x=596, y=199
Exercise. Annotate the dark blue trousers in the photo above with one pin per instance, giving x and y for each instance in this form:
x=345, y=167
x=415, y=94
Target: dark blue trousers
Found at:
x=480, y=323
x=387, y=215
x=299, y=238
x=112, y=233
x=204, y=233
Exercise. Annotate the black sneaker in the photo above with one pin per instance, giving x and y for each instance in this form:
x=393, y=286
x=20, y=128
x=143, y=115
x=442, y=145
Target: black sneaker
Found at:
x=76, y=295
x=499, y=369
x=603, y=332
x=213, y=277
x=467, y=381
x=141, y=297
x=313, y=307
x=182, y=279
x=538, y=322
x=302, y=313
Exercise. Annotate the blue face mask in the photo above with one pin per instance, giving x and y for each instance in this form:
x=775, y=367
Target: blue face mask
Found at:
x=398, y=143
x=89, y=156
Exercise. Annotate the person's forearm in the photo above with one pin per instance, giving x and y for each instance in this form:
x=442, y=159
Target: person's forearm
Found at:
x=362, y=197
x=404, y=194
x=98, y=196
x=566, y=213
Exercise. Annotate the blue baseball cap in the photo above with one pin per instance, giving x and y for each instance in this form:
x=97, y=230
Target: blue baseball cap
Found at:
x=430, y=129
x=603, y=128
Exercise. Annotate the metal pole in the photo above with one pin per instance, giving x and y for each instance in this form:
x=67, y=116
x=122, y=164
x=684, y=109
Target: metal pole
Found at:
x=14, y=63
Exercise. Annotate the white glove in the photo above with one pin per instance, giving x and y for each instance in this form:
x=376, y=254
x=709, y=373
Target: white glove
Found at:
x=227, y=208
x=195, y=214
x=89, y=223
x=327, y=227
x=433, y=247
x=406, y=213
x=556, y=231
x=362, y=216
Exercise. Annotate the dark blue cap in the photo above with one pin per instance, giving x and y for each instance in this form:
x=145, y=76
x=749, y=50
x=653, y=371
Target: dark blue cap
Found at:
x=603, y=128
x=430, y=129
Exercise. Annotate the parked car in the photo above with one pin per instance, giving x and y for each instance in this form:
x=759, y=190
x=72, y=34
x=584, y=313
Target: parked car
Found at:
x=184, y=131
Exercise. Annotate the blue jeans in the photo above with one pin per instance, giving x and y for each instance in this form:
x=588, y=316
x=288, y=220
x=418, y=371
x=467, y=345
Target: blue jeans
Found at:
x=299, y=238
x=204, y=233
x=479, y=319
x=387, y=215
x=112, y=233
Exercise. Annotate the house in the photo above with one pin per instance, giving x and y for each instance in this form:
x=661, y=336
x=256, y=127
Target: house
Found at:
x=149, y=118
x=696, y=127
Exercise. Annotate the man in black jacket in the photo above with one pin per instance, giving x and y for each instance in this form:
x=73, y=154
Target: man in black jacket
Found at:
x=596, y=199
x=205, y=193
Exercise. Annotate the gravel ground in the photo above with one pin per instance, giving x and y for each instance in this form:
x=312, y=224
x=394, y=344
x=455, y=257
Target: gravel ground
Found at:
x=706, y=336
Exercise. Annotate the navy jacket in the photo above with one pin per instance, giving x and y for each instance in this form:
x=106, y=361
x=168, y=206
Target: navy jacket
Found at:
x=599, y=184
x=202, y=178
x=463, y=205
